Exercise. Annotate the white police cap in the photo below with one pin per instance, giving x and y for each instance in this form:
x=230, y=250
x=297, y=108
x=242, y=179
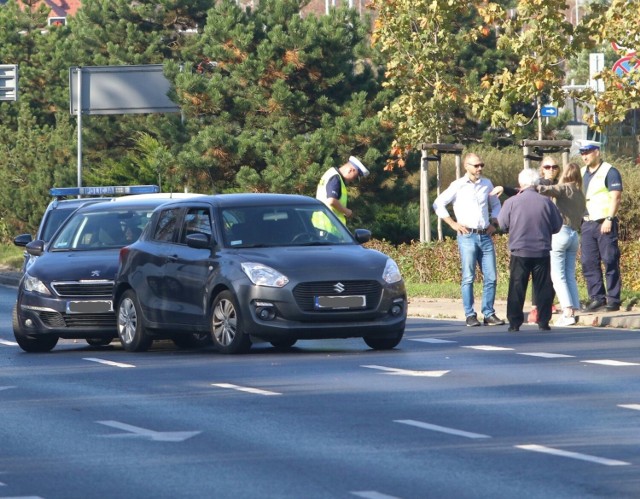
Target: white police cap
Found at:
x=588, y=145
x=362, y=170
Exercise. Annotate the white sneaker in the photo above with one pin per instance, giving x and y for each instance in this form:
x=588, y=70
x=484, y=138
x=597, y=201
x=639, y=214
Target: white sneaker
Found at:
x=565, y=321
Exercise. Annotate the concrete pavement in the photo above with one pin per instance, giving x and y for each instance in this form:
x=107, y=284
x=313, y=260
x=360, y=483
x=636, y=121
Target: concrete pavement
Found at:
x=442, y=308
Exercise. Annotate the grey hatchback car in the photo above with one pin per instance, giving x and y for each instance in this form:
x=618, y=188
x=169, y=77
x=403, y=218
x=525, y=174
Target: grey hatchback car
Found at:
x=246, y=267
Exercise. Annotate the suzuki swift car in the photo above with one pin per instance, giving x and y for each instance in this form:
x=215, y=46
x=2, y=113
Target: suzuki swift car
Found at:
x=66, y=291
x=246, y=267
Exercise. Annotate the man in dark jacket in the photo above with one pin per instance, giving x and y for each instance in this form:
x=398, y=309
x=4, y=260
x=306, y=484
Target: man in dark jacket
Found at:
x=531, y=219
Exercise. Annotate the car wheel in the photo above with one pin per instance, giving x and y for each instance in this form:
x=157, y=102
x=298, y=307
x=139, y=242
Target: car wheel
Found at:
x=192, y=340
x=226, y=325
x=384, y=343
x=38, y=344
x=284, y=343
x=98, y=342
x=131, y=330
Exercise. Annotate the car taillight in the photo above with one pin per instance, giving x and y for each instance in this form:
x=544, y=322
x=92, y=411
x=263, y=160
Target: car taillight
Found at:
x=123, y=253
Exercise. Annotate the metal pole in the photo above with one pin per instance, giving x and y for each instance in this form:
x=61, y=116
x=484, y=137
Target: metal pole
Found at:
x=438, y=184
x=79, y=111
x=424, y=215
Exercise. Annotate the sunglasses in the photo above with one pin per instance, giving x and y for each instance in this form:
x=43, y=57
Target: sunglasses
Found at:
x=548, y=167
x=479, y=165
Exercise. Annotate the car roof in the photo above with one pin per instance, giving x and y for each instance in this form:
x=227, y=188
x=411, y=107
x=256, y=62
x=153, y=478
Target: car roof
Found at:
x=252, y=199
x=167, y=196
x=135, y=201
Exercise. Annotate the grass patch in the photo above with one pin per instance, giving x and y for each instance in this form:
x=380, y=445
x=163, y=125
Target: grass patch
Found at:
x=11, y=256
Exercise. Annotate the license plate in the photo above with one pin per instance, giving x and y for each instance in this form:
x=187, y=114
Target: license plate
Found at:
x=89, y=307
x=340, y=302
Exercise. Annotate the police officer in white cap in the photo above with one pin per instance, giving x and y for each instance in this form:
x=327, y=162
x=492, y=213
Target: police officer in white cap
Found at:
x=332, y=189
x=602, y=186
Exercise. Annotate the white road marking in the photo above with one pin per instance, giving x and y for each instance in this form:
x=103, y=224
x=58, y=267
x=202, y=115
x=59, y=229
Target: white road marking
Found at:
x=546, y=355
x=441, y=429
x=407, y=372
x=488, y=348
x=573, y=455
x=6, y=387
x=108, y=362
x=158, y=436
x=606, y=362
x=372, y=494
x=431, y=340
x=8, y=343
x=635, y=407
x=247, y=389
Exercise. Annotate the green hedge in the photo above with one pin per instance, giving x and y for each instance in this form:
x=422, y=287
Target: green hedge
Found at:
x=440, y=261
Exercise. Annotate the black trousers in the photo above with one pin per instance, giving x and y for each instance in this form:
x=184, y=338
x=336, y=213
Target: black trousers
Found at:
x=598, y=250
x=521, y=268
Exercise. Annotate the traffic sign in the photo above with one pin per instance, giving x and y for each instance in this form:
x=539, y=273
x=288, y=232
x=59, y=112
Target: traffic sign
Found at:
x=627, y=64
x=548, y=111
x=8, y=82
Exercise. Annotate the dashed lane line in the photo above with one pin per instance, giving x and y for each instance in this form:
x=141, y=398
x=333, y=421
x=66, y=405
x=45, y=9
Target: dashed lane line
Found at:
x=8, y=343
x=431, y=340
x=441, y=429
x=108, y=362
x=372, y=494
x=489, y=348
x=246, y=389
x=608, y=362
x=635, y=407
x=407, y=372
x=546, y=355
x=573, y=455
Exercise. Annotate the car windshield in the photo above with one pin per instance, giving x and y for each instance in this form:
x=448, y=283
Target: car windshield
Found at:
x=101, y=229
x=265, y=226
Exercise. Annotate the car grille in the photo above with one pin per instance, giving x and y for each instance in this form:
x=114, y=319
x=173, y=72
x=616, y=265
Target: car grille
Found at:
x=85, y=288
x=306, y=292
x=90, y=321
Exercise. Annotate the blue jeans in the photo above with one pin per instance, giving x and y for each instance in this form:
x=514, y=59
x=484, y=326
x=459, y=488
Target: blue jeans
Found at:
x=477, y=249
x=564, y=248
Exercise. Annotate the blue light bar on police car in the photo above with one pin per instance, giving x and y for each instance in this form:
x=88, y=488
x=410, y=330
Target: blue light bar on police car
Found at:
x=107, y=190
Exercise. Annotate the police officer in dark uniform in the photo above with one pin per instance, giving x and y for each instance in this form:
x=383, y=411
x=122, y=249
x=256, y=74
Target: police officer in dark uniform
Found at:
x=602, y=186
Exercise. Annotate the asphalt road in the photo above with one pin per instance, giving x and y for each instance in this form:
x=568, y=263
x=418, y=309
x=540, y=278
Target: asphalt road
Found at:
x=454, y=412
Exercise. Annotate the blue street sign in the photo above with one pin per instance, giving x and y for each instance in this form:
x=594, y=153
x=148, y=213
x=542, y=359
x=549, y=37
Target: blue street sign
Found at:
x=548, y=111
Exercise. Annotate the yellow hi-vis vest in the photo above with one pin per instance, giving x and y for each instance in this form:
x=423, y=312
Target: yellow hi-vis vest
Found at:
x=321, y=192
x=597, y=195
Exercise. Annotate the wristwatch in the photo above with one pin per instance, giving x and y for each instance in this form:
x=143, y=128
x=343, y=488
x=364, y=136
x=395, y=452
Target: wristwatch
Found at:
x=609, y=218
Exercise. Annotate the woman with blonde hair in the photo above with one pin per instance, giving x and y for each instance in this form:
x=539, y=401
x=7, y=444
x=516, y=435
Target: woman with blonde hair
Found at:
x=570, y=200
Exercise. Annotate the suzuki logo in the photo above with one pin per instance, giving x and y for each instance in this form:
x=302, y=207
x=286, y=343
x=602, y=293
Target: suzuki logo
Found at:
x=338, y=287
x=95, y=273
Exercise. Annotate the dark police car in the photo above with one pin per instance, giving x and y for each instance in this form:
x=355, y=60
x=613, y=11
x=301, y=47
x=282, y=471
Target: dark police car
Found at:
x=243, y=267
x=66, y=291
x=61, y=208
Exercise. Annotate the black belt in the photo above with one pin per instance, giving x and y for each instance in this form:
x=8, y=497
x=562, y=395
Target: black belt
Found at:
x=477, y=231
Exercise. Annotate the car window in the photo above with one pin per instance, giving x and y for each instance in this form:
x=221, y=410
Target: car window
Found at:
x=167, y=223
x=101, y=229
x=196, y=221
x=54, y=219
x=257, y=226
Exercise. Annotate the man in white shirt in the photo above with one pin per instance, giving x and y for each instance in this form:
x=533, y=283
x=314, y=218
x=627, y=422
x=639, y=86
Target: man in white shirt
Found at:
x=475, y=213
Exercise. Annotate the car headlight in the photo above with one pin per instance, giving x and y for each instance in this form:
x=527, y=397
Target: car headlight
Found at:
x=391, y=272
x=262, y=275
x=35, y=285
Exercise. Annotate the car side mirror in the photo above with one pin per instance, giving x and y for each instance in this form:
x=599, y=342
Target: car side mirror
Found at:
x=35, y=248
x=201, y=241
x=22, y=240
x=362, y=235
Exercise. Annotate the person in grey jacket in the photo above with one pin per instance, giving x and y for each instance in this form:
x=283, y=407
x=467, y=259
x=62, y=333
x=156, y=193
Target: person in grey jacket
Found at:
x=570, y=200
x=531, y=219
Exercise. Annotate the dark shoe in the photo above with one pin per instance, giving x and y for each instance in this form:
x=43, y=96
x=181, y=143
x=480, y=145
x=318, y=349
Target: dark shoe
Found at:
x=513, y=329
x=472, y=321
x=493, y=320
x=544, y=327
x=614, y=307
x=594, y=305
